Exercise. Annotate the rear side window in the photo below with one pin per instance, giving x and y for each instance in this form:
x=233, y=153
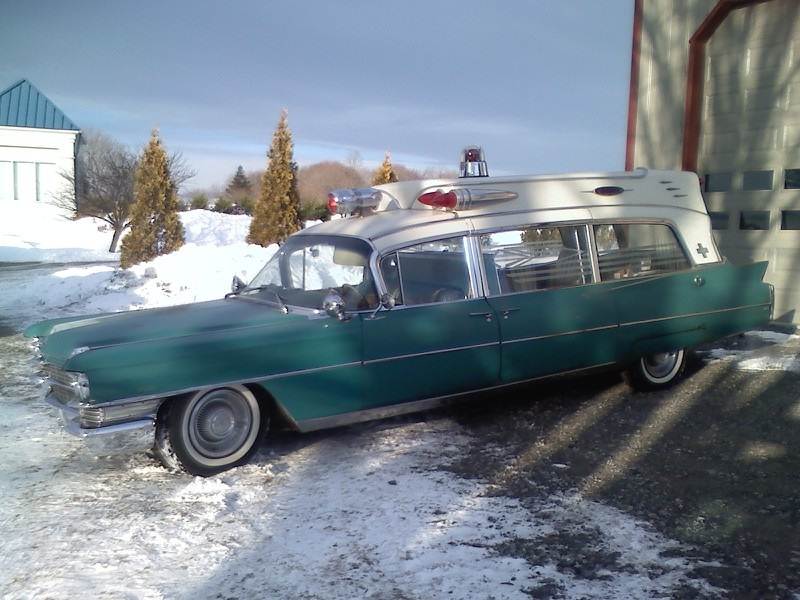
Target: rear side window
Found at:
x=536, y=258
x=428, y=273
x=637, y=250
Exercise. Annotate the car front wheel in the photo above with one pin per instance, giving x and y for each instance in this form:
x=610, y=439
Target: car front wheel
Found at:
x=657, y=370
x=210, y=431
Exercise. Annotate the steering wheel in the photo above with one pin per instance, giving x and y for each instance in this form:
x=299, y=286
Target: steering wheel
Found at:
x=351, y=296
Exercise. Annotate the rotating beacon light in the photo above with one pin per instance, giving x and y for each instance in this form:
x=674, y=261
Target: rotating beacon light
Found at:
x=353, y=201
x=473, y=163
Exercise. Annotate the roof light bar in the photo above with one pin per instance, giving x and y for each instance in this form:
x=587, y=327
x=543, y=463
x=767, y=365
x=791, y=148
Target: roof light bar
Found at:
x=473, y=162
x=352, y=201
x=464, y=198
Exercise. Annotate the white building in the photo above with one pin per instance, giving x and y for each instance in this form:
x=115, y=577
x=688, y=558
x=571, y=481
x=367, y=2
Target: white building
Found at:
x=38, y=144
x=715, y=89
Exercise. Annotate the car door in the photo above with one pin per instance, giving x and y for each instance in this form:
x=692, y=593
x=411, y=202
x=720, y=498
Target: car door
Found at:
x=539, y=281
x=440, y=338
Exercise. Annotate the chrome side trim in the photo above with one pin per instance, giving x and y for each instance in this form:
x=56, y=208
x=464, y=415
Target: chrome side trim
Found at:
x=697, y=314
x=552, y=335
x=384, y=412
x=429, y=352
x=212, y=386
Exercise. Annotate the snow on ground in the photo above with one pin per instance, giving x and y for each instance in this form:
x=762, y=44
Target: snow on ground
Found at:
x=360, y=512
x=760, y=350
x=40, y=232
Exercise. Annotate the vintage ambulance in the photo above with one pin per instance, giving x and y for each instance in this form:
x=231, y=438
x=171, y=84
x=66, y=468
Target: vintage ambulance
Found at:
x=421, y=292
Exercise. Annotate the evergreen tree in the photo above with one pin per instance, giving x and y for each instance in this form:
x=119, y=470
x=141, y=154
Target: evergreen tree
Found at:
x=384, y=173
x=239, y=183
x=155, y=226
x=276, y=214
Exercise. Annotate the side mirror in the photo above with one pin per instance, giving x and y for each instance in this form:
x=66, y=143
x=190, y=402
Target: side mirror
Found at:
x=237, y=284
x=333, y=305
x=387, y=301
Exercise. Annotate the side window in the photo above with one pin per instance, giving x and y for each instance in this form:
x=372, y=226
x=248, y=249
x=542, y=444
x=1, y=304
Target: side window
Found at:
x=536, y=258
x=428, y=273
x=637, y=250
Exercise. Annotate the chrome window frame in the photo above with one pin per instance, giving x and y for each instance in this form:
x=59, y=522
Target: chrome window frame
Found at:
x=670, y=225
x=475, y=282
x=476, y=235
x=479, y=278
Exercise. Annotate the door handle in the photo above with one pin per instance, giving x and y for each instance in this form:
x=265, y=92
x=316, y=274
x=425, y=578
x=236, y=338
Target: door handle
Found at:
x=508, y=311
x=485, y=315
x=698, y=281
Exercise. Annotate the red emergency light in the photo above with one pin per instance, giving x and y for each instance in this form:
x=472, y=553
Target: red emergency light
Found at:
x=464, y=198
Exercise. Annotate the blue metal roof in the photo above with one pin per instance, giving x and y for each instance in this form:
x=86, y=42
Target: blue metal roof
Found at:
x=22, y=105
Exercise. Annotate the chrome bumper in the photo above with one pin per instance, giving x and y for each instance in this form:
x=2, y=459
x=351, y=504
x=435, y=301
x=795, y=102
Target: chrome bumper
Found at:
x=123, y=438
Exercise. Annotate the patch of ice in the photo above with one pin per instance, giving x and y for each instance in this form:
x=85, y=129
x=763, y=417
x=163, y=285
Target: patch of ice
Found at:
x=770, y=363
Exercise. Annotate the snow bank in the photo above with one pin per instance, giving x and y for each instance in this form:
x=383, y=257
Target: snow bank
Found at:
x=191, y=274
x=208, y=228
x=38, y=232
x=200, y=270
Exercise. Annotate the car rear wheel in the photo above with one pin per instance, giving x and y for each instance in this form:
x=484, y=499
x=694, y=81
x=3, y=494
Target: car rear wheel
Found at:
x=657, y=370
x=210, y=431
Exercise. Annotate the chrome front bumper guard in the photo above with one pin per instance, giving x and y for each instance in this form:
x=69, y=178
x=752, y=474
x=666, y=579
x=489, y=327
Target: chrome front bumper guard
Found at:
x=122, y=438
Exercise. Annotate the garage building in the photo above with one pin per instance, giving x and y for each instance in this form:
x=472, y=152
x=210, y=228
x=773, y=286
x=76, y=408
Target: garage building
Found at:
x=715, y=89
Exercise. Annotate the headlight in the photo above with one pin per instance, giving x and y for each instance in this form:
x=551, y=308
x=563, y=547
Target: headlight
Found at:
x=68, y=386
x=80, y=385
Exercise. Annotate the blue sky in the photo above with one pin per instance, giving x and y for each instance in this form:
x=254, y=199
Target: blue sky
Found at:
x=541, y=85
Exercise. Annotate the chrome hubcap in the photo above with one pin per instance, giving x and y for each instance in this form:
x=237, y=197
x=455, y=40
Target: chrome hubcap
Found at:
x=660, y=364
x=220, y=423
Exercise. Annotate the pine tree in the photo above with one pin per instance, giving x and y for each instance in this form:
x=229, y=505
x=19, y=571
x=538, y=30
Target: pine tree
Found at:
x=239, y=182
x=155, y=226
x=277, y=212
x=384, y=173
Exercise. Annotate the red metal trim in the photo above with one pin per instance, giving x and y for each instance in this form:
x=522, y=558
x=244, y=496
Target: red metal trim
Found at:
x=633, y=92
x=695, y=72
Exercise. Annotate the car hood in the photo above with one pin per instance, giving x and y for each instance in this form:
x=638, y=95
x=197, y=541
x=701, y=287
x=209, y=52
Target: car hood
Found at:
x=61, y=339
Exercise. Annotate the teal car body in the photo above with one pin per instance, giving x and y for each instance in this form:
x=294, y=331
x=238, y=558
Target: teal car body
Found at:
x=434, y=305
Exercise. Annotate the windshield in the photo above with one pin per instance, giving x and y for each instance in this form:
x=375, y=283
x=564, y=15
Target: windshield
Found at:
x=308, y=268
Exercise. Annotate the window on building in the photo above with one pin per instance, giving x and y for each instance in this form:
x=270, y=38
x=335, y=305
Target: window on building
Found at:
x=536, y=258
x=431, y=272
x=754, y=220
x=6, y=181
x=791, y=179
x=28, y=181
x=637, y=250
x=719, y=220
x=757, y=180
x=790, y=220
x=717, y=182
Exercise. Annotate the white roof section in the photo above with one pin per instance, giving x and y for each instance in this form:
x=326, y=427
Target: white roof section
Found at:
x=670, y=195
